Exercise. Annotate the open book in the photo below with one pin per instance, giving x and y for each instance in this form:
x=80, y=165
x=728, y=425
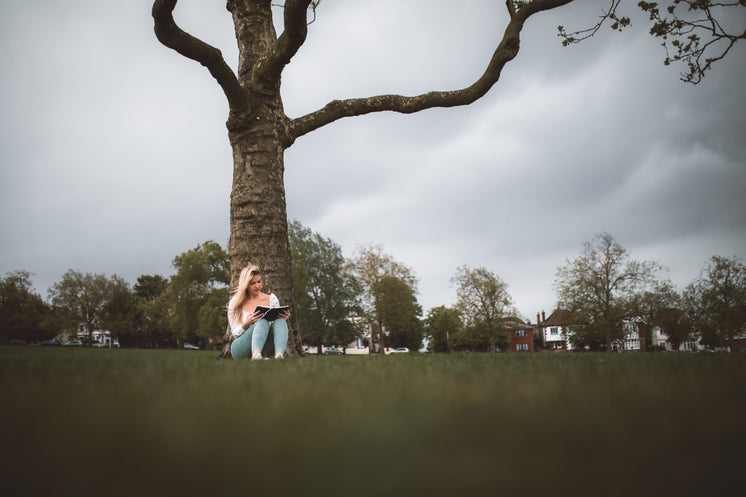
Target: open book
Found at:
x=271, y=313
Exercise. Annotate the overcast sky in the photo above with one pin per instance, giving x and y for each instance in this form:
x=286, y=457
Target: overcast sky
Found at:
x=115, y=156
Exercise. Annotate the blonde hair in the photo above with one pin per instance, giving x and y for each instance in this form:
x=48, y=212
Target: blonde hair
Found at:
x=235, y=305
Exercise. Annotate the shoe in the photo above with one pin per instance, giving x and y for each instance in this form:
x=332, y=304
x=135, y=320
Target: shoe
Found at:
x=256, y=356
x=279, y=356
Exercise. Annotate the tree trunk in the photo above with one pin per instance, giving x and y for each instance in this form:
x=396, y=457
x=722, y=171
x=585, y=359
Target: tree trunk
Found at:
x=259, y=228
x=491, y=328
x=258, y=137
x=643, y=332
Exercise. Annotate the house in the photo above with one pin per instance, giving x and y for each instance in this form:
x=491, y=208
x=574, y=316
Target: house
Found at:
x=634, y=338
x=555, y=330
x=659, y=339
x=521, y=335
x=99, y=338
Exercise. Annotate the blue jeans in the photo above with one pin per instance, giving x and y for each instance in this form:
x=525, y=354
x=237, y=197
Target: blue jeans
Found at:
x=256, y=336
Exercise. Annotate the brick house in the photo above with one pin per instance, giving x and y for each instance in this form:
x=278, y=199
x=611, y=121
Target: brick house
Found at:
x=521, y=335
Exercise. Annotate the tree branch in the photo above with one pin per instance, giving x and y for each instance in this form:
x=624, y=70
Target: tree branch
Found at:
x=289, y=42
x=584, y=34
x=698, y=17
x=679, y=24
x=510, y=4
x=505, y=52
x=170, y=35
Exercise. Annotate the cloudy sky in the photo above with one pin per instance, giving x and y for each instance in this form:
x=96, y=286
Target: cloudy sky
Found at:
x=115, y=156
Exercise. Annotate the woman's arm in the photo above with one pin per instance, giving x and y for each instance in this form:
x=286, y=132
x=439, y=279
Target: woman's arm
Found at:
x=239, y=327
x=236, y=327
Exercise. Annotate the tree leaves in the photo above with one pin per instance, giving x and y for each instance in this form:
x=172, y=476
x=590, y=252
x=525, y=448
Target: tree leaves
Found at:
x=694, y=32
x=717, y=300
x=483, y=300
x=326, y=295
x=600, y=288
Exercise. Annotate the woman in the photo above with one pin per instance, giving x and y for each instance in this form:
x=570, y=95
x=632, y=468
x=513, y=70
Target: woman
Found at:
x=249, y=329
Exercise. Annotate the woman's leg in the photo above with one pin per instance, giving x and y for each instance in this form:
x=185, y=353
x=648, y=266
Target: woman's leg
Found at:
x=280, y=331
x=261, y=330
x=241, y=346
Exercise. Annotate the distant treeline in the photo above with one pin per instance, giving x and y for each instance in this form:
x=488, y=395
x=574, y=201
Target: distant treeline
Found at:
x=373, y=297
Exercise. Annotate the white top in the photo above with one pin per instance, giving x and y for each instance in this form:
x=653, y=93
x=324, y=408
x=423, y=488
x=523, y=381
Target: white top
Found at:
x=236, y=327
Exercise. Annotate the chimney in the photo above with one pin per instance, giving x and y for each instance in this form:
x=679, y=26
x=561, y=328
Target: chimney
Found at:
x=538, y=320
x=543, y=317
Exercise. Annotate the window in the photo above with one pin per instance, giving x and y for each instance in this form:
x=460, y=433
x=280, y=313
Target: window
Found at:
x=520, y=333
x=553, y=330
x=521, y=346
x=630, y=328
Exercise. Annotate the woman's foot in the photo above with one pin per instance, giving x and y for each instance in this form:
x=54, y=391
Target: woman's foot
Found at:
x=279, y=356
x=256, y=356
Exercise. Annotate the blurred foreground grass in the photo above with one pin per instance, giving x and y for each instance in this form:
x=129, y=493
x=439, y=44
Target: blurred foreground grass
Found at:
x=128, y=422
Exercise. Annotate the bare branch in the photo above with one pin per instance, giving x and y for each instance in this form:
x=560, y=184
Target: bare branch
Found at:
x=314, y=4
x=193, y=48
x=293, y=36
x=608, y=14
x=505, y=52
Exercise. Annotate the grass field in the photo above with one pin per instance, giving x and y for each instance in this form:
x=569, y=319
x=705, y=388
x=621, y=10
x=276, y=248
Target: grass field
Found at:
x=145, y=422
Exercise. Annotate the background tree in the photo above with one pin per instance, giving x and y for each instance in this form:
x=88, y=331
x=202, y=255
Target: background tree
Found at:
x=600, y=289
x=476, y=337
x=150, y=286
x=585, y=337
x=482, y=298
x=327, y=296
x=717, y=300
x=399, y=312
x=153, y=316
x=198, y=292
x=259, y=131
x=80, y=300
x=441, y=323
x=120, y=310
x=23, y=313
x=648, y=305
x=370, y=265
x=212, y=317
x=675, y=323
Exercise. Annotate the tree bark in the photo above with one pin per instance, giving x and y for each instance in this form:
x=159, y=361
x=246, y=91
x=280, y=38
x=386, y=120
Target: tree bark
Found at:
x=259, y=230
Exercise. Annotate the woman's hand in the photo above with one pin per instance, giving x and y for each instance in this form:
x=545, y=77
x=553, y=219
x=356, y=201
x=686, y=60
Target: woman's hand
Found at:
x=251, y=319
x=285, y=315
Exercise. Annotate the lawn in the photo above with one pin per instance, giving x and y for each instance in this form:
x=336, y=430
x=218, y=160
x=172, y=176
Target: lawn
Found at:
x=170, y=422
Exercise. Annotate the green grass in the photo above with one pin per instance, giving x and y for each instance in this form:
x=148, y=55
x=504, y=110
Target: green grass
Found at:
x=131, y=423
